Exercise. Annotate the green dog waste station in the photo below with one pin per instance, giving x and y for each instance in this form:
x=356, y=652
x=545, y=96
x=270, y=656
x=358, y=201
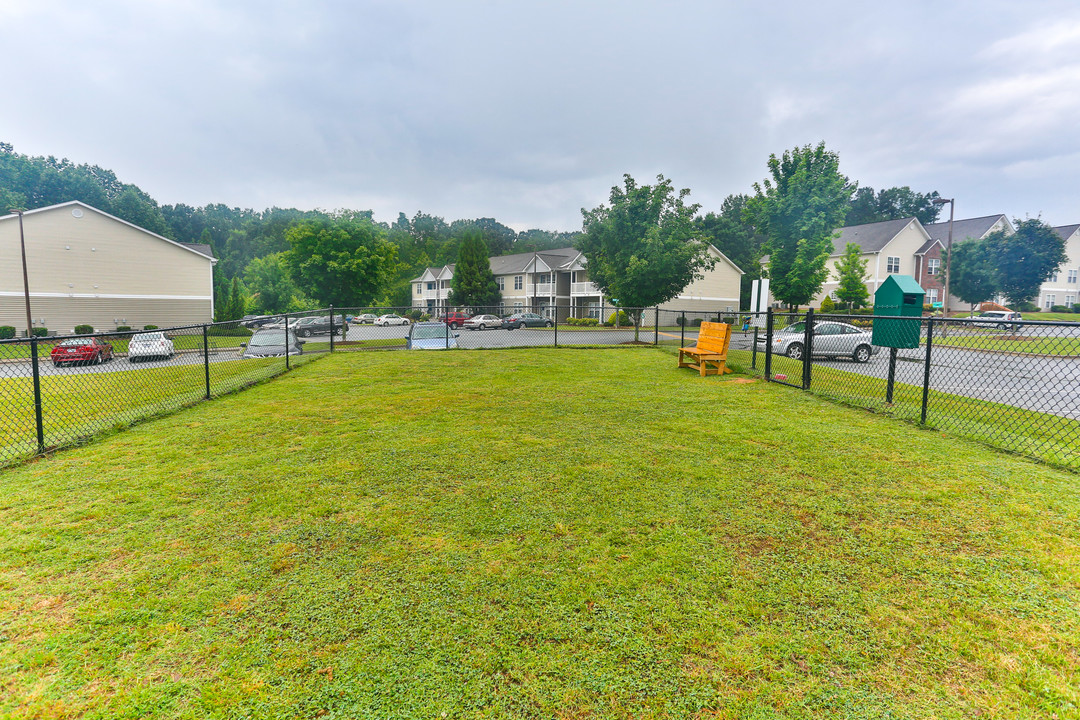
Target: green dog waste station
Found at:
x=898, y=297
x=898, y=305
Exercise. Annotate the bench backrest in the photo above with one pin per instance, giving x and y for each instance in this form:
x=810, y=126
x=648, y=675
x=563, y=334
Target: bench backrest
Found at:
x=714, y=337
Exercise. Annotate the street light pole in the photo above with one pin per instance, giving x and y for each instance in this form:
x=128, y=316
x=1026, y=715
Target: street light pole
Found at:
x=948, y=254
x=25, y=279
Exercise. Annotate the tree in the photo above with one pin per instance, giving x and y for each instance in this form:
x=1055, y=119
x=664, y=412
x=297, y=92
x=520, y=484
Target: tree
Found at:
x=731, y=233
x=972, y=275
x=474, y=284
x=272, y=288
x=344, y=261
x=891, y=204
x=798, y=212
x=1026, y=259
x=851, y=274
x=643, y=249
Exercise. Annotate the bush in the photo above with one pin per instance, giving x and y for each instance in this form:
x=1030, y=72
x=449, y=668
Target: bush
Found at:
x=827, y=305
x=696, y=322
x=41, y=332
x=1076, y=308
x=1061, y=309
x=149, y=327
x=227, y=331
x=624, y=319
x=6, y=332
x=583, y=322
x=84, y=329
x=123, y=328
x=1027, y=307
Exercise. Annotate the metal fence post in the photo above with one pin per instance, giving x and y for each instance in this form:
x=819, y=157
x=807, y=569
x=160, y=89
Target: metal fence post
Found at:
x=286, y=341
x=37, y=396
x=768, y=344
x=656, y=328
x=206, y=358
x=331, y=328
x=808, y=348
x=682, y=330
x=926, y=369
x=556, y=326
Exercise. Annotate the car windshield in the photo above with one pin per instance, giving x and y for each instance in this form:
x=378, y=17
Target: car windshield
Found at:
x=267, y=338
x=147, y=337
x=428, y=332
x=77, y=341
x=799, y=327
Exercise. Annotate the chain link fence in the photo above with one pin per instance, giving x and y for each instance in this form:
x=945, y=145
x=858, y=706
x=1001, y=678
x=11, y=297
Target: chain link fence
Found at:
x=1014, y=386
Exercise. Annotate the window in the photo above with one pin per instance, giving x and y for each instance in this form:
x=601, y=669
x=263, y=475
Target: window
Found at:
x=502, y=283
x=1053, y=278
x=419, y=289
x=892, y=265
x=931, y=295
x=518, y=306
x=517, y=283
x=1072, y=276
x=933, y=266
x=1051, y=301
x=431, y=285
x=1070, y=300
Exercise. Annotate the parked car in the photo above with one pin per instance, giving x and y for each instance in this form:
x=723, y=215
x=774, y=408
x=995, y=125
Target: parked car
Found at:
x=317, y=326
x=455, y=319
x=831, y=339
x=271, y=343
x=81, y=351
x=256, y=321
x=526, y=319
x=150, y=346
x=365, y=319
x=431, y=336
x=1000, y=319
x=391, y=319
x=279, y=323
x=483, y=322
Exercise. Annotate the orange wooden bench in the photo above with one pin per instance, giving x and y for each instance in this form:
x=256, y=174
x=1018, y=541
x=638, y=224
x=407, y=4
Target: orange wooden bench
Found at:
x=709, y=356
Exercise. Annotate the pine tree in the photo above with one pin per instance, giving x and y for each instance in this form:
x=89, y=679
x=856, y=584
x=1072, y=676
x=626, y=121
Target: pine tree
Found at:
x=474, y=285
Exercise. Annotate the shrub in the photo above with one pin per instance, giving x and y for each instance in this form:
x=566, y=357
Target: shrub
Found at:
x=1076, y=308
x=583, y=322
x=227, y=331
x=41, y=332
x=84, y=329
x=149, y=327
x=6, y=332
x=827, y=305
x=1027, y=307
x=696, y=322
x=123, y=328
x=1061, y=309
x=624, y=319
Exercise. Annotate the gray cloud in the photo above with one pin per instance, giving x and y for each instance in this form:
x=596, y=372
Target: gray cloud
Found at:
x=529, y=111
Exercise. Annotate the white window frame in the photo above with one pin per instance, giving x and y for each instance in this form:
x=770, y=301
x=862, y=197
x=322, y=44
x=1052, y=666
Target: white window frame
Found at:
x=1051, y=301
x=1071, y=277
x=892, y=261
x=933, y=266
x=1070, y=300
x=931, y=295
x=1053, y=278
x=517, y=283
x=502, y=283
x=519, y=306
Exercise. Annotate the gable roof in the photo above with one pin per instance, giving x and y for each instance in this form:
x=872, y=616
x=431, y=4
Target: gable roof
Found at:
x=554, y=259
x=871, y=237
x=1067, y=231
x=197, y=248
x=964, y=229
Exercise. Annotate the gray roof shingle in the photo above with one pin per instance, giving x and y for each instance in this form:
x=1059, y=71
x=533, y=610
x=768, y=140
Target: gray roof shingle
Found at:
x=962, y=229
x=870, y=238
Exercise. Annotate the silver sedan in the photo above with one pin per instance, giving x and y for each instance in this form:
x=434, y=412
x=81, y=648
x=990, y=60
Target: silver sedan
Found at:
x=483, y=322
x=831, y=339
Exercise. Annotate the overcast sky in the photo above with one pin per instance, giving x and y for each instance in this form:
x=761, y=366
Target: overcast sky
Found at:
x=529, y=110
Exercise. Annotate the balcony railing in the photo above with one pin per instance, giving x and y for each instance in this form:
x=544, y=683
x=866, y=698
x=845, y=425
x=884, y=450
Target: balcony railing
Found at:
x=538, y=289
x=584, y=288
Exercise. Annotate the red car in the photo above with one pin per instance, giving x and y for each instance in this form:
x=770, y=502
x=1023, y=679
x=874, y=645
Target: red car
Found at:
x=83, y=351
x=455, y=319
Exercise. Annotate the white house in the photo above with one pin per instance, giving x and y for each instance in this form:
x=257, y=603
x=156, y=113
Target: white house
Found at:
x=86, y=267
x=1062, y=287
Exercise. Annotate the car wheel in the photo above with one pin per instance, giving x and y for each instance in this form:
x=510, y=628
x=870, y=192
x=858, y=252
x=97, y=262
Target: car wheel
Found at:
x=862, y=354
x=97, y=360
x=305, y=333
x=549, y=324
x=794, y=351
x=1001, y=326
x=453, y=326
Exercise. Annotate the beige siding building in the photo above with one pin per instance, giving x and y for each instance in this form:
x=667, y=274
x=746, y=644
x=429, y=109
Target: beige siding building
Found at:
x=542, y=281
x=1063, y=288
x=88, y=267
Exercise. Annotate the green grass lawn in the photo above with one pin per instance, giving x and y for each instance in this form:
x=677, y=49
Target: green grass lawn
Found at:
x=536, y=534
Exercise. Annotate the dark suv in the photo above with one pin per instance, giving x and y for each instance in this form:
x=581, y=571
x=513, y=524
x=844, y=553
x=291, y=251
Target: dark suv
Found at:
x=309, y=326
x=455, y=319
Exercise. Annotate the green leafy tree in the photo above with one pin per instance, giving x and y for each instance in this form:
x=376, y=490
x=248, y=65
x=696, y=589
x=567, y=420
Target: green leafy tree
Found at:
x=973, y=276
x=891, y=204
x=643, y=249
x=1026, y=259
x=851, y=274
x=730, y=233
x=798, y=211
x=474, y=284
x=234, y=306
x=272, y=288
x=345, y=261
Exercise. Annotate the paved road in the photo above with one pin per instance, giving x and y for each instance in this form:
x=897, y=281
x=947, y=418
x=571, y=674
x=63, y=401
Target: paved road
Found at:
x=119, y=364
